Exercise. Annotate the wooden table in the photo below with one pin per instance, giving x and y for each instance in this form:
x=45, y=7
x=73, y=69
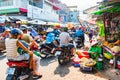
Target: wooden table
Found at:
x=115, y=54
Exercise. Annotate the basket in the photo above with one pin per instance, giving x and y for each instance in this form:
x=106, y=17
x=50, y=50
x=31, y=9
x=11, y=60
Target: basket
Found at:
x=108, y=55
x=90, y=63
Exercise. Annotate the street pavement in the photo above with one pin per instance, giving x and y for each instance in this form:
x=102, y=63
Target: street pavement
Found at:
x=51, y=70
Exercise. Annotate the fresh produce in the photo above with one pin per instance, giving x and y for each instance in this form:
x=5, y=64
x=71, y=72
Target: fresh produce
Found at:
x=116, y=49
x=108, y=55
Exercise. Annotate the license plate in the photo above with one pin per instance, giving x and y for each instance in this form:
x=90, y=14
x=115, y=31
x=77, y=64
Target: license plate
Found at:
x=10, y=71
x=58, y=53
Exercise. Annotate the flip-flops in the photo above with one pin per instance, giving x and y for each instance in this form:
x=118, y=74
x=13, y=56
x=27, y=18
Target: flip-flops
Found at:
x=37, y=76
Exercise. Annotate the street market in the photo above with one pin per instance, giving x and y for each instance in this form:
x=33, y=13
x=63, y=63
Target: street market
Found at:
x=47, y=40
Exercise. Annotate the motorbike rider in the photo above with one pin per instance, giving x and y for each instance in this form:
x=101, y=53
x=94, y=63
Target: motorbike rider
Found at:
x=5, y=29
x=80, y=34
x=56, y=31
x=51, y=39
x=12, y=45
x=33, y=33
x=65, y=39
x=26, y=37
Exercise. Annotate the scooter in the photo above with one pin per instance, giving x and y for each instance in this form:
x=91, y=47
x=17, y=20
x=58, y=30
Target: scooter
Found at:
x=19, y=70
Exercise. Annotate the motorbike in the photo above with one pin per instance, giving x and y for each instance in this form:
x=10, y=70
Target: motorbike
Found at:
x=79, y=42
x=19, y=70
x=45, y=50
x=64, y=54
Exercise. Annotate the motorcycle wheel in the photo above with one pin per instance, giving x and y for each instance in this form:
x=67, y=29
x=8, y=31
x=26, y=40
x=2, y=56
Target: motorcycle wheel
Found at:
x=61, y=59
x=10, y=77
x=43, y=53
x=30, y=77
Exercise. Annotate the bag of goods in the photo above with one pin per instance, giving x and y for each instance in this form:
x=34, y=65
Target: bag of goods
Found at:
x=108, y=55
x=116, y=49
x=99, y=65
x=82, y=54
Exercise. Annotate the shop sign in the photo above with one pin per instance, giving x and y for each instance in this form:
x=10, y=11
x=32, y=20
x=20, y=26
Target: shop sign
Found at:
x=4, y=11
x=37, y=13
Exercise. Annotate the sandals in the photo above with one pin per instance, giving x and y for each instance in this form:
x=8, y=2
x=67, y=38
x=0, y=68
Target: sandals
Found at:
x=37, y=76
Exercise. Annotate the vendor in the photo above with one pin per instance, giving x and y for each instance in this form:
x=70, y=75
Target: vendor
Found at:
x=95, y=50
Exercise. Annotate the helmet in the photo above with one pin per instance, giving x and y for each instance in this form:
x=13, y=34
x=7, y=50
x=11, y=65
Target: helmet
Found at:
x=16, y=31
x=29, y=29
x=23, y=27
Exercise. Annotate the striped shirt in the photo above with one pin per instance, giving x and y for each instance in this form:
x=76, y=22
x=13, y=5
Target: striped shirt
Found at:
x=11, y=48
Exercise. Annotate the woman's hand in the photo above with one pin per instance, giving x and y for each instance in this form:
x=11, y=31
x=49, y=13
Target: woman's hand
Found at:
x=30, y=53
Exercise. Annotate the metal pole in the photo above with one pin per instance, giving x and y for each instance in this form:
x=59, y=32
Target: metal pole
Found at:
x=32, y=9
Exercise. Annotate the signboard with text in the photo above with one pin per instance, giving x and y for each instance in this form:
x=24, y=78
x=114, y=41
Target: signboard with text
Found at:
x=38, y=13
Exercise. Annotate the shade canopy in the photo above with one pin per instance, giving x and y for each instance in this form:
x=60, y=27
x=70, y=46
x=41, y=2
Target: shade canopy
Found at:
x=108, y=8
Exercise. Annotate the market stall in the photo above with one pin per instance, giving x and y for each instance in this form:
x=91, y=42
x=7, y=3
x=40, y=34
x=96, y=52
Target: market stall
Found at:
x=112, y=34
x=110, y=12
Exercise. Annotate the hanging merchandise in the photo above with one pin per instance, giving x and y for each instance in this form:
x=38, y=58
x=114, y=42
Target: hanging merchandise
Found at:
x=101, y=28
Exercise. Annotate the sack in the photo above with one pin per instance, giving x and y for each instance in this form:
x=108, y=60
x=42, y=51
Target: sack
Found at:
x=21, y=51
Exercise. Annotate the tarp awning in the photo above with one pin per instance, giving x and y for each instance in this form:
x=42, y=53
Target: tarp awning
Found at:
x=111, y=8
x=37, y=22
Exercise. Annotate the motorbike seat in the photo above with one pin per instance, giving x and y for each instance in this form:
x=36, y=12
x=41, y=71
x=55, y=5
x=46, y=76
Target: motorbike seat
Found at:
x=64, y=46
x=23, y=63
